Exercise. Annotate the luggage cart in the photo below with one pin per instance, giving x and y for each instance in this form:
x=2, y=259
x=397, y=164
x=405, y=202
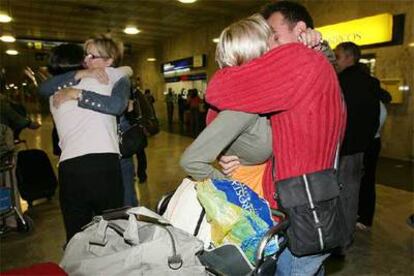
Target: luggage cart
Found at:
x=229, y=260
x=8, y=204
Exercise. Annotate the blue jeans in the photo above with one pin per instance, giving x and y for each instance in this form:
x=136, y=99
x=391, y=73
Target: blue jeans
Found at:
x=130, y=196
x=290, y=265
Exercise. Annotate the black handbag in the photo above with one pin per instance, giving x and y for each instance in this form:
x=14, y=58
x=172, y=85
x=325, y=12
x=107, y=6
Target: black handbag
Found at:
x=131, y=140
x=143, y=114
x=311, y=202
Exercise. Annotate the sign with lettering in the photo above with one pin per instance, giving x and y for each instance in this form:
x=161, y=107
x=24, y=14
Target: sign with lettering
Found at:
x=364, y=31
x=194, y=77
x=184, y=65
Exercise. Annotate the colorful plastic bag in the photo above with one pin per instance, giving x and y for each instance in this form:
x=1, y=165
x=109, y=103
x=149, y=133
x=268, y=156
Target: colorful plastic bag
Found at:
x=231, y=223
x=244, y=197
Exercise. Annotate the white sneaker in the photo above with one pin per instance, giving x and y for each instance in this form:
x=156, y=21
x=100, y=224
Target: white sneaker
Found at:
x=361, y=226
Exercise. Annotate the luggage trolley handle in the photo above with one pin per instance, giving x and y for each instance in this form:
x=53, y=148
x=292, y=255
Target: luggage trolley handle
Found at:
x=275, y=230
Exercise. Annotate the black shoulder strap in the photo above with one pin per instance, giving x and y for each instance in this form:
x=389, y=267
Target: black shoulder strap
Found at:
x=200, y=220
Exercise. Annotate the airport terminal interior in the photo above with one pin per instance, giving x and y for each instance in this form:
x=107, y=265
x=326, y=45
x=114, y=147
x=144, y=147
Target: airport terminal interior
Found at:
x=170, y=46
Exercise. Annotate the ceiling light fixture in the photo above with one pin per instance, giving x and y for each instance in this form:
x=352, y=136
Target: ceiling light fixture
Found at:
x=216, y=40
x=187, y=1
x=131, y=30
x=4, y=18
x=411, y=44
x=151, y=59
x=7, y=38
x=12, y=52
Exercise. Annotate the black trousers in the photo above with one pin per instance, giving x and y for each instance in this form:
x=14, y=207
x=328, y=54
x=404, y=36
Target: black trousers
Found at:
x=350, y=173
x=367, y=195
x=89, y=184
x=170, y=112
x=142, y=165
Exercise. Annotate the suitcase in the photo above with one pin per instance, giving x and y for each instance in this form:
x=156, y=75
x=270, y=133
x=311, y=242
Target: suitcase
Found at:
x=35, y=176
x=44, y=269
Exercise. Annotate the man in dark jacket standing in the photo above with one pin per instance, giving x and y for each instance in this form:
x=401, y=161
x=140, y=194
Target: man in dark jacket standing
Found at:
x=360, y=92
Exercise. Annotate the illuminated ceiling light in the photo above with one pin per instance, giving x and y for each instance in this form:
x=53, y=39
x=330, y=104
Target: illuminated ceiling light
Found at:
x=12, y=52
x=187, y=1
x=411, y=44
x=4, y=18
x=131, y=30
x=24, y=84
x=7, y=38
x=11, y=85
x=38, y=45
x=151, y=59
x=216, y=40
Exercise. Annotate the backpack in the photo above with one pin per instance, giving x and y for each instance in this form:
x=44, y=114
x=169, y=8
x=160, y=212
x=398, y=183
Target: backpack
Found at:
x=143, y=114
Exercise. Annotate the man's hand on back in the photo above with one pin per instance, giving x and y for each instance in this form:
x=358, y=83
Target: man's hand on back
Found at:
x=311, y=38
x=64, y=95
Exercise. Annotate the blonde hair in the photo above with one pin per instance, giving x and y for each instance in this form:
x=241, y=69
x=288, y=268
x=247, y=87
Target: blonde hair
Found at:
x=243, y=41
x=107, y=48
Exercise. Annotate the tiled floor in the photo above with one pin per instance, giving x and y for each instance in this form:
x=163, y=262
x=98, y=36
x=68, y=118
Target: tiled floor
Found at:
x=387, y=249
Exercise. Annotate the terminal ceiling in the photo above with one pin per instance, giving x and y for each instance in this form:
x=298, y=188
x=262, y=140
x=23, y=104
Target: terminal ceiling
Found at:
x=76, y=20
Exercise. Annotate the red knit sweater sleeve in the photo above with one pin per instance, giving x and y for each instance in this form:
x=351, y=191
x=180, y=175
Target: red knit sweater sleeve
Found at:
x=273, y=82
x=211, y=115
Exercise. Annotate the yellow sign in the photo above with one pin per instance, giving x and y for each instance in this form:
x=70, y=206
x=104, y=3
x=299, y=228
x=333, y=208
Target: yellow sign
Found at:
x=364, y=31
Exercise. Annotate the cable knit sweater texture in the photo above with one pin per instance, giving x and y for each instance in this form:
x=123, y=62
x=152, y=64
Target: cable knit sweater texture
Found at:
x=300, y=89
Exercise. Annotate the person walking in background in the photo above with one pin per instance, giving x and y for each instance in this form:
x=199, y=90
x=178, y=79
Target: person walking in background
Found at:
x=361, y=95
x=367, y=194
x=182, y=106
x=194, y=102
x=140, y=154
x=169, y=100
x=150, y=98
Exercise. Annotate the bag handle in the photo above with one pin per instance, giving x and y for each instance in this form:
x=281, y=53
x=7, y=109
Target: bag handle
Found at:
x=129, y=234
x=175, y=261
x=336, y=161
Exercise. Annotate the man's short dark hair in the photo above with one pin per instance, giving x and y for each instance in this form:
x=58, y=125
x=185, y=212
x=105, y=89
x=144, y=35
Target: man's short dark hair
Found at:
x=352, y=49
x=65, y=58
x=292, y=12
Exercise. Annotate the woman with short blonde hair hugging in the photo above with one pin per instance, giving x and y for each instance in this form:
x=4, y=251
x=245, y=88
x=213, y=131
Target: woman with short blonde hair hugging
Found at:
x=235, y=133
